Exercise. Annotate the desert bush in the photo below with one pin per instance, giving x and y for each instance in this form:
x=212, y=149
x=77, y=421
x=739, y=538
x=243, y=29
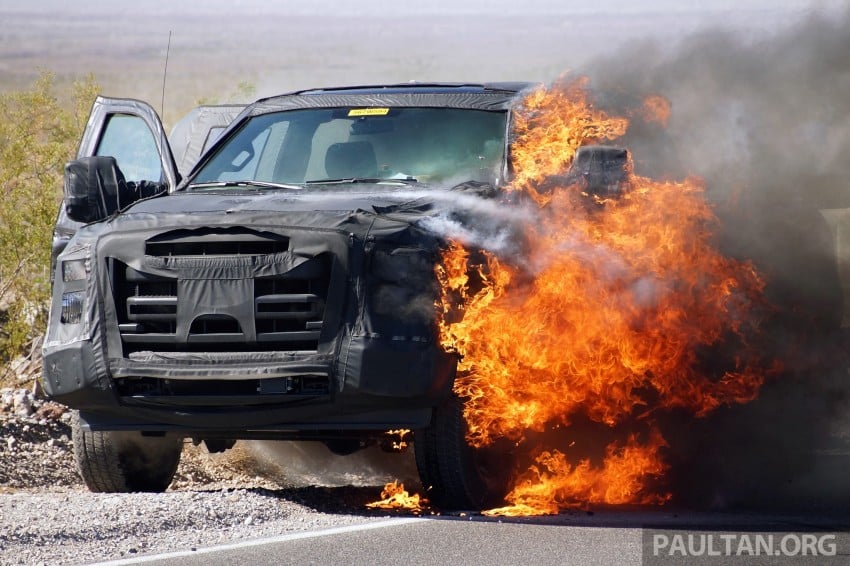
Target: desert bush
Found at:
x=39, y=133
x=244, y=93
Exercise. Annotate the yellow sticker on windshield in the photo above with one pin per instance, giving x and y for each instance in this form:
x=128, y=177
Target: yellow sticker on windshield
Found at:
x=369, y=112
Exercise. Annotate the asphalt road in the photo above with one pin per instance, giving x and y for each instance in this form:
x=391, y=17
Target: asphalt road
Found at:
x=608, y=536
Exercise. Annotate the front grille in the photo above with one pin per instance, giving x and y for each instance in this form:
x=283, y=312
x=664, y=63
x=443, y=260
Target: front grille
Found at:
x=209, y=242
x=289, y=308
x=147, y=306
x=287, y=315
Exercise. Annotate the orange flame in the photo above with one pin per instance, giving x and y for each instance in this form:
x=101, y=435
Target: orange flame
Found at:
x=552, y=124
x=656, y=109
x=607, y=323
x=551, y=484
x=394, y=496
x=397, y=440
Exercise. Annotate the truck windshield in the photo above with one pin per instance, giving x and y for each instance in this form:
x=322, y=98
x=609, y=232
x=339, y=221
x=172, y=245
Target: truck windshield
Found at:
x=443, y=146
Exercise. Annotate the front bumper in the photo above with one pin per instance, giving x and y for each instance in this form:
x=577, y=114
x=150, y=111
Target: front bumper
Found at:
x=377, y=384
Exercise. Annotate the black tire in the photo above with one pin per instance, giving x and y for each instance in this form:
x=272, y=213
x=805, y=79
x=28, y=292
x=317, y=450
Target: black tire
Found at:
x=112, y=461
x=454, y=474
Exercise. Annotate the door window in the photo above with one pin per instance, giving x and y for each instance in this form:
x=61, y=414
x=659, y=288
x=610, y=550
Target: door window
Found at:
x=130, y=141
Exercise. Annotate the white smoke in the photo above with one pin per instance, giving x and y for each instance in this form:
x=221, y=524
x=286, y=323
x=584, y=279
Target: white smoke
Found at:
x=302, y=464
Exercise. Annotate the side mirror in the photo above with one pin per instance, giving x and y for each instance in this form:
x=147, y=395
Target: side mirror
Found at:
x=95, y=189
x=601, y=170
x=91, y=188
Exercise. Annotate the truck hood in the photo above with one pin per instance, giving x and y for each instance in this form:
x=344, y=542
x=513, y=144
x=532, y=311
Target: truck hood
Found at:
x=471, y=213
x=368, y=198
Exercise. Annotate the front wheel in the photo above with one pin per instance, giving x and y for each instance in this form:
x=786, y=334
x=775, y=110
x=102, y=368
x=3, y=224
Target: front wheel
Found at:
x=454, y=474
x=113, y=461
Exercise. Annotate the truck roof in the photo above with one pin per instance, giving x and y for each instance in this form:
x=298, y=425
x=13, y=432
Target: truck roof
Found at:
x=422, y=87
x=484, y=96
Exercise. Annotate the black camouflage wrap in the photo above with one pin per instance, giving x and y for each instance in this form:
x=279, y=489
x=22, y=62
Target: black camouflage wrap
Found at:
x=377, y=342
x=180, y=288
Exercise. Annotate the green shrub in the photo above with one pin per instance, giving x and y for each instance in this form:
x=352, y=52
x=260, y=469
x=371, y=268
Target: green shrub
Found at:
x=38, y=135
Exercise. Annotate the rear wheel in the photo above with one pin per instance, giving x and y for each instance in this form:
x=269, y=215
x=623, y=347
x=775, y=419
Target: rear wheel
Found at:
x=112, y=461
x=454, y=474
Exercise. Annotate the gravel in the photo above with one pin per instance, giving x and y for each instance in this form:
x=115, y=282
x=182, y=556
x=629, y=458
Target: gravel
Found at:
x=48, y=517
x=35, y=444
x=77, y=527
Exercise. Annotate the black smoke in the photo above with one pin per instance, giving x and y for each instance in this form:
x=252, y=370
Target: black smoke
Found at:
x=765, y=121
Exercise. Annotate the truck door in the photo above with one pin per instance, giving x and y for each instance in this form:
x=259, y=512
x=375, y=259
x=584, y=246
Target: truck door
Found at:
x=132, y=133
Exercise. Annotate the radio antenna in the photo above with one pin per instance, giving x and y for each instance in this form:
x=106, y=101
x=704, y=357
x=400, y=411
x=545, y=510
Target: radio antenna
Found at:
x=164, y=75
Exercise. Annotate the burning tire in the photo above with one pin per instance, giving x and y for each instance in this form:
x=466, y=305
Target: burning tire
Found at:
x=454, y=474
x=112, y=461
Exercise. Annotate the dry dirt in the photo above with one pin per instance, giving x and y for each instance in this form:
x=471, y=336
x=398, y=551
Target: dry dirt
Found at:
x=47, y=516
x=36, y=453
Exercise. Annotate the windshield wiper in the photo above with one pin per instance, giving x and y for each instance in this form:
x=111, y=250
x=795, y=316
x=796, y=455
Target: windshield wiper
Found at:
x=402, y=180
x=258, y=184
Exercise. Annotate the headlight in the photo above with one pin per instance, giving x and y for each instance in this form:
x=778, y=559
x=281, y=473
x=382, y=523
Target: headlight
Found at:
x=73, y=270
x=72, y=307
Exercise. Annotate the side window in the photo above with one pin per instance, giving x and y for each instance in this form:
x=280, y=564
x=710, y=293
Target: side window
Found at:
x=130, y=141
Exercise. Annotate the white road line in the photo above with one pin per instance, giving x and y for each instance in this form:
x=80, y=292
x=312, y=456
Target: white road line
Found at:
x=262, y=541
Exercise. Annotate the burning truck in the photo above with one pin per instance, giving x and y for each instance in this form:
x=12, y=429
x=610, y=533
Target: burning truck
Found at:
x=467, y=262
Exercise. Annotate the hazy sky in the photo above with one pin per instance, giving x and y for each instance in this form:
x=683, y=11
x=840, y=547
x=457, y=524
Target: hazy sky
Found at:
x=400, y=7
x=287, y=45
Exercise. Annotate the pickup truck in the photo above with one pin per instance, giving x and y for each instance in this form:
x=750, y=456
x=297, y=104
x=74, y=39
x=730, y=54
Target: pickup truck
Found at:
x=275, y=280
